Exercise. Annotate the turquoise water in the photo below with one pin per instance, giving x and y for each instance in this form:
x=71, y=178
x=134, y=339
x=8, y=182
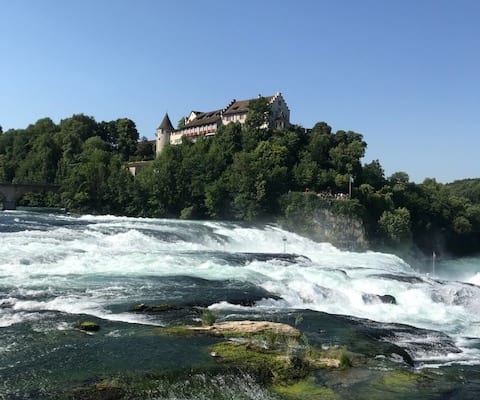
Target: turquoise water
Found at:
x=57, y=270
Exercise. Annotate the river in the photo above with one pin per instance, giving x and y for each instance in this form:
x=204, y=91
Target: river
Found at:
x=58, y=269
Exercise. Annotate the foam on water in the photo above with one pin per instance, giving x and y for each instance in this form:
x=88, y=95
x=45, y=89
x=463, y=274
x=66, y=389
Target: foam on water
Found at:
x=475, y=279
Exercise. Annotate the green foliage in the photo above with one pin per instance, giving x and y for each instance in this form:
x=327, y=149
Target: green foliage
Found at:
x=373, y=175
x=145, y=150
x=345, y=361
x=187, y=213
x=258, y=113
x=298, y=319
x=126, y=137
x=181, y=123
x=462, y=225
x=208, y=317
x=396, y=224
x=466, y=188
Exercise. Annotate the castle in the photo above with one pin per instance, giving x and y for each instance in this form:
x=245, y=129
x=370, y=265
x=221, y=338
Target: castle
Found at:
x=200, y=123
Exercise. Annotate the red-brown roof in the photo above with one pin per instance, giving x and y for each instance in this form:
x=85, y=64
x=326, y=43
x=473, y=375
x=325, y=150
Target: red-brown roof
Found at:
x=206, y=118
x=240, y=106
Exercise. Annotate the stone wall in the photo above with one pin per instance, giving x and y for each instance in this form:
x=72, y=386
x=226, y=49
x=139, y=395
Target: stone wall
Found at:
x=322, y=225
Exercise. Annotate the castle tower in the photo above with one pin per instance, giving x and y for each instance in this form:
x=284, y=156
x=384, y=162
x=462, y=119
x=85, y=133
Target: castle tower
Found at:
x=163, y=133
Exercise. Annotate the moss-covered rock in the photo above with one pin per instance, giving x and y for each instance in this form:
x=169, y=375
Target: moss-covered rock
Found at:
x=396, y=384
x=88, y=326
x=305, y=390
x=236, y=328
x=269, y=365
x=401, y=380
x=333, y=357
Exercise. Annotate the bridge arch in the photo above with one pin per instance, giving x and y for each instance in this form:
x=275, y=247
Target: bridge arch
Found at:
x=12, y=192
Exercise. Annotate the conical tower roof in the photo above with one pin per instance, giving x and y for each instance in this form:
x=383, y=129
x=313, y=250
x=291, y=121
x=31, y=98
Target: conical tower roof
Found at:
x=166, y=124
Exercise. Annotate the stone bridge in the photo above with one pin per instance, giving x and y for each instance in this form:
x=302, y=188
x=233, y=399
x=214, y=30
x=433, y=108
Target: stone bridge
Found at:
x=13, y=191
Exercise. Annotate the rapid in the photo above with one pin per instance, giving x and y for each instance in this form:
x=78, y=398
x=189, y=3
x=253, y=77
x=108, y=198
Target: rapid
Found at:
x=57, y=267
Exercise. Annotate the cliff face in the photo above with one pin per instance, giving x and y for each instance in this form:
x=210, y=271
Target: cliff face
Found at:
x=322, y=225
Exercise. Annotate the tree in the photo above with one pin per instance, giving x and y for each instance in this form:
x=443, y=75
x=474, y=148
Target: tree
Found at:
x=218, y=199
x=349, y=148
x=107, y=131
x=319, y=148
x=85, y=186
x=321, y=128
x=244, y=188
x=305, y=172
x=396, y=224
x=127, y=137
x=227, y=142
x=145, y=149
x=399, y=178
x=462, y=225
x=258, y=114
x=41, y=163
x=374, y=175
x=165, y=184
x=74, y=131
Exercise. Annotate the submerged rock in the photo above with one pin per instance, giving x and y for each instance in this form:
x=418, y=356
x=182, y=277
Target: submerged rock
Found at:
x=6, y=304
x=369, y=298
x=154, y=308
x=100, y=391
x=186, y=292
x=400, y=278
x=289, y=258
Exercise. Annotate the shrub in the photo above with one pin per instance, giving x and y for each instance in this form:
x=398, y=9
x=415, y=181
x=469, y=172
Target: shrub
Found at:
x=208, y=317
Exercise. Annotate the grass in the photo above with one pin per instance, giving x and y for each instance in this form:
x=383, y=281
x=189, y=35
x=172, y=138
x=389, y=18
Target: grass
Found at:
x=208, y=317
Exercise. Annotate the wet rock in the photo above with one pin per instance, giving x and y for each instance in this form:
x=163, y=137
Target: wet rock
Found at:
x=407, y=341
x=88, y=326
x=400, y=278
x=228, y=328
x=255, y=327
x=369, y=298
x=388, y=299
x=189, y=292
x=154, y=308
x=285, y=257
x=5, y=304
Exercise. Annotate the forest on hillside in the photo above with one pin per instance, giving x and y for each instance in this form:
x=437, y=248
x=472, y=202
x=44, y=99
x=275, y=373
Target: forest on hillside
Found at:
x=243, y=173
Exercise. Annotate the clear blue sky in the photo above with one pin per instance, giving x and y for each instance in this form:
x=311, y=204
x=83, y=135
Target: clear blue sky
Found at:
x=405, y=74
